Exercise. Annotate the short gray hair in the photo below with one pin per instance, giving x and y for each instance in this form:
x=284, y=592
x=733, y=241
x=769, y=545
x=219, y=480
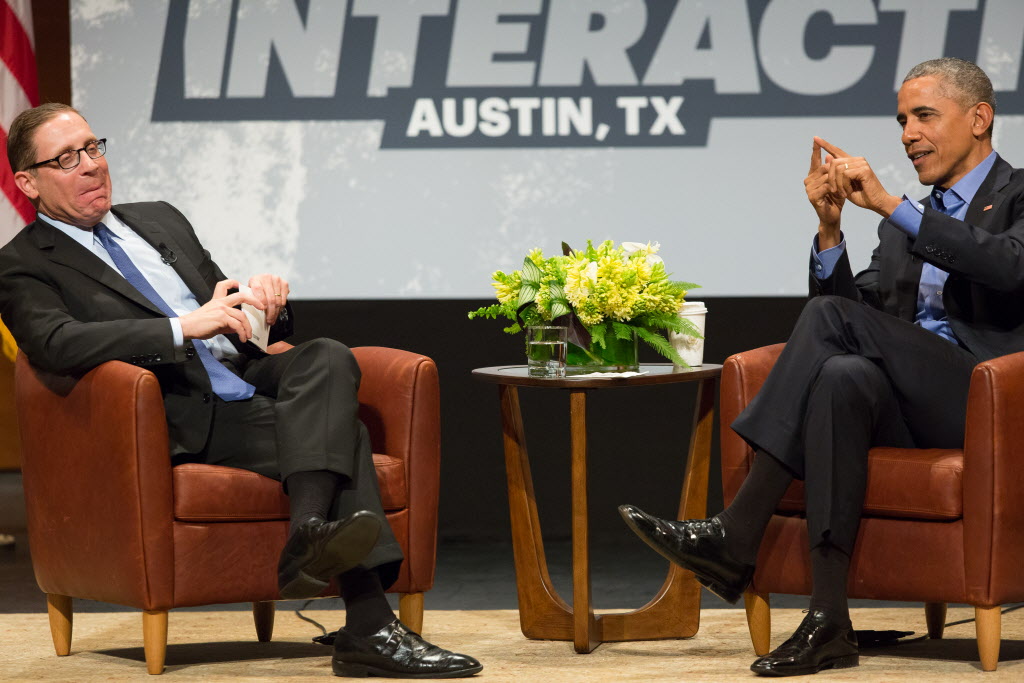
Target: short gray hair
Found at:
x=961, y=81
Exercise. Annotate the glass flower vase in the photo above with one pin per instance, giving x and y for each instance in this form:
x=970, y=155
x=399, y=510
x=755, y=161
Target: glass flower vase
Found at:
x=617, y=355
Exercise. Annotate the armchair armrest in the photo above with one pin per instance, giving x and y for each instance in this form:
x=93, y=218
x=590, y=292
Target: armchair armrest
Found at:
x=994, y=479
x=742, y=377
x=97, y=479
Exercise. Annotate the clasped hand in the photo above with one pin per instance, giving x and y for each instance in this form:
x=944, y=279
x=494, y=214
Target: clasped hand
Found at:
x=219, y=315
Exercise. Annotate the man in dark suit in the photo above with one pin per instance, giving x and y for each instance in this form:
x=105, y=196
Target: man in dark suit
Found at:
x=880, y=359
x=88, y=282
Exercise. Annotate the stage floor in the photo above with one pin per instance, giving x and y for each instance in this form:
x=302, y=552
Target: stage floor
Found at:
x=222, y=646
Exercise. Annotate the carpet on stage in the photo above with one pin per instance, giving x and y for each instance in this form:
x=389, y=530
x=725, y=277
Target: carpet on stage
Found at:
x=222, y=646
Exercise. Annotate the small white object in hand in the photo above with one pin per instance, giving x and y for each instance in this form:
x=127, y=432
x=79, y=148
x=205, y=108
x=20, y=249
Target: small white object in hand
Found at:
x=609, y=375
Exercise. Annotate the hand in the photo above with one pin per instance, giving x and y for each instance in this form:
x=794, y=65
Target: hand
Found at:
x=272, y=290
x=827, y=205
x=852, y=178
x=219, y=315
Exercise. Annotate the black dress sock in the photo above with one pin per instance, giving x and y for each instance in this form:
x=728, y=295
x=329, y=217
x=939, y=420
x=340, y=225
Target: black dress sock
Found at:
x=311, y=494
x=830, y=569
x=747, y=516
x=366, y=607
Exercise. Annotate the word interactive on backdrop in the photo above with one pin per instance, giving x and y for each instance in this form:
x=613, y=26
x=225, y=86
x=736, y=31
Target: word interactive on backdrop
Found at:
x=457, y=133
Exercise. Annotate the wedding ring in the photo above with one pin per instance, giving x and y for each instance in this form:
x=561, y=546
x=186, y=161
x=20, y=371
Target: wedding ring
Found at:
x=847, y=166
x=277, y=293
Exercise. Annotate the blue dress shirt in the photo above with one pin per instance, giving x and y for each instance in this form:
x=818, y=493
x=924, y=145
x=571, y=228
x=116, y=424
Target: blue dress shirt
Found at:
x=161, y=275
x=954, y=202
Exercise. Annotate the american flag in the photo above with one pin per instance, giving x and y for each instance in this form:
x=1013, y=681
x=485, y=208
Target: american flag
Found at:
x=19, y=90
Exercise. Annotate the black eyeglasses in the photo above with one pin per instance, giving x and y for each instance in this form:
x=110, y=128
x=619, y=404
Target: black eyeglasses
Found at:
x=71, y=158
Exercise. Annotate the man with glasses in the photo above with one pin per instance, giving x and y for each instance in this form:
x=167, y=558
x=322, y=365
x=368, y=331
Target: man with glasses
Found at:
x=88, y=282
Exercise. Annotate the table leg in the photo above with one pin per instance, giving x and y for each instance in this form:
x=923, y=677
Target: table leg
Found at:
x=585, y=637
x=543, y=614
x=675, y=611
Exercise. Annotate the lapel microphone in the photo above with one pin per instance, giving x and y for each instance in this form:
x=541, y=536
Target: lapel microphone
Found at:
x=166, y=255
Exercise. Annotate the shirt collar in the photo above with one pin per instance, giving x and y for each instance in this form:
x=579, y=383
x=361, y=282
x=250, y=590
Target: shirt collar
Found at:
x=85, y=237
x=967, y=187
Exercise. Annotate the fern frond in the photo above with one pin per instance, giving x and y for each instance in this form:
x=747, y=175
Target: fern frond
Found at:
x=661, y=345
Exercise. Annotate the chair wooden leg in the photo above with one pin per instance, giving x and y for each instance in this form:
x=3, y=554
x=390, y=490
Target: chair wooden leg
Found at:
x=935, y=618
x=988, y=621
x=263, y=615
x=61, y=619
x=154, y=640
x=759, y=621
x=410, y=610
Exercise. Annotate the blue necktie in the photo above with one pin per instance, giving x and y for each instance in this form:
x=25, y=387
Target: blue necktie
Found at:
x=225, y=383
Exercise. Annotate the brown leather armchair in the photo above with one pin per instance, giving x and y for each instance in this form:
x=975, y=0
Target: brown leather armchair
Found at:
x=109, y=518
x=939, y=525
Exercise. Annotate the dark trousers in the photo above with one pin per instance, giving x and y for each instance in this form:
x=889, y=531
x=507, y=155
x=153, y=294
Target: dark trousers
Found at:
x=305, y=417
x=850, y=378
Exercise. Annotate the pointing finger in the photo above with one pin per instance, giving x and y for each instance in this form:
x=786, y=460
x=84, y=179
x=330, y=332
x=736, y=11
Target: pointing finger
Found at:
x=815, y=156
x=830, y=148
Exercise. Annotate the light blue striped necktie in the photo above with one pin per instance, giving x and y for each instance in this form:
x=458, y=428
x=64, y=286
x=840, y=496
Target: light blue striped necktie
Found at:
x=225, y=383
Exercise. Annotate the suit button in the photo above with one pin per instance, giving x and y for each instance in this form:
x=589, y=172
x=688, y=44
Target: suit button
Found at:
x=206, y=398
x=190, y=352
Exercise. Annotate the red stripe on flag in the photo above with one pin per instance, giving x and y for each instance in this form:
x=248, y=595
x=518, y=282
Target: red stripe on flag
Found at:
x=18, y=200
x=16, y=52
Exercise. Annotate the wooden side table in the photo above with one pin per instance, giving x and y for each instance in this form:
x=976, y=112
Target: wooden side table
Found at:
x=675, y=611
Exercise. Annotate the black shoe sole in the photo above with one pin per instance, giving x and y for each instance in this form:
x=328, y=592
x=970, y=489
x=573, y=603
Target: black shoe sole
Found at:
x=347, y=548
x=844, y=662
x=351, y=670
x=725, y=592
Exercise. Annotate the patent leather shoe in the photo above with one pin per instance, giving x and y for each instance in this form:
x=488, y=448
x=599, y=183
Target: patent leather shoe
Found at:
x=819, y=643
x=396, y=652
x=318, y=550
x=698, y=545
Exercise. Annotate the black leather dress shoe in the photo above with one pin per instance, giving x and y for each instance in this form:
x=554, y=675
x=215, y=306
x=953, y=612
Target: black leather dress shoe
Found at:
x=819, y=643
x=697, y=545
x=396, y=652
x=319, y=550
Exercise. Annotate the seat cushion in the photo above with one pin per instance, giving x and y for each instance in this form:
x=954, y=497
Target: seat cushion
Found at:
x=212, y=493
x=924, y=483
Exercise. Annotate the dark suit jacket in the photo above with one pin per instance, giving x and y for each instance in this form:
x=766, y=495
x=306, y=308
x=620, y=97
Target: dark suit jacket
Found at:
x=984, y=256
x=69, y=312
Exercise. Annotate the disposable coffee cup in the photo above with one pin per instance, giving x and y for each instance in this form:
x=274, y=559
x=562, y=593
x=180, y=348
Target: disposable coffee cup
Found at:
x=691, y=348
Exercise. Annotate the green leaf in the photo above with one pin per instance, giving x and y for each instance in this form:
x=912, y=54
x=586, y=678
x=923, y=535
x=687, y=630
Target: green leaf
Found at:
x=661, y=345
x=491, y=312
x=688, y=328
x=531, y=274
x=622, y=330
x=559, y=307
x=527, y=293
x=556, y=291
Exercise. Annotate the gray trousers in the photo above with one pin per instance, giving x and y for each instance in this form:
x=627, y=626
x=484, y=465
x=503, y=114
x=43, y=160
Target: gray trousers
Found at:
x=305, y=417
x=850, y=378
